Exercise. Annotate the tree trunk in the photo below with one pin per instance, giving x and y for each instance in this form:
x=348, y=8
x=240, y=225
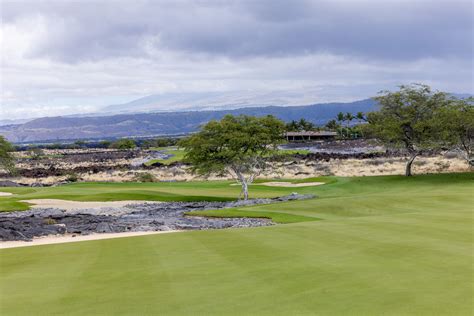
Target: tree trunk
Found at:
x=245, y=190
x=244, y=183
x=409, y=163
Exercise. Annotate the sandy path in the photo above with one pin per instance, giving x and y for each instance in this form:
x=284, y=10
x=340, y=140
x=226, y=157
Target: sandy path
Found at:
x=5, y=193
x=48, y=240
x=74, y=205
x=290, y=185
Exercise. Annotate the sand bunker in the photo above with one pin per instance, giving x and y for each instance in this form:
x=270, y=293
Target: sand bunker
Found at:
x=68, y=238
x=290, y=185
x=5, y=193
x=284, y=184
x=77, y=205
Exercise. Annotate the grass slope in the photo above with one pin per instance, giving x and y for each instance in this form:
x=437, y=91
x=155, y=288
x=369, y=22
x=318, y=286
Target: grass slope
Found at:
x=177, y=155
x=163, y=191
x=387, y=245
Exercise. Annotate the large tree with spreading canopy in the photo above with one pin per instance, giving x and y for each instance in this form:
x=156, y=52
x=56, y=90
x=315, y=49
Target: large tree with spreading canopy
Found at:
x=237, y=145
x=405, y=119
x=455, y=127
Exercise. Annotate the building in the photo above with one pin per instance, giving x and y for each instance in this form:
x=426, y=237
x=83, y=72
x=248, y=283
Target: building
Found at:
x=309, y=136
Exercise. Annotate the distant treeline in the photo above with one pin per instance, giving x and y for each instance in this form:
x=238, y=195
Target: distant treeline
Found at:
x=123, y=143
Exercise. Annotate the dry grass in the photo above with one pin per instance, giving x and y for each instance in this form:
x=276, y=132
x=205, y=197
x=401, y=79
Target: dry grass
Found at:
x=292, y=170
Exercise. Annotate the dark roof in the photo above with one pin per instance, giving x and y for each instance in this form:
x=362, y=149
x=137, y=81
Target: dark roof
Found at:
x=311, y=133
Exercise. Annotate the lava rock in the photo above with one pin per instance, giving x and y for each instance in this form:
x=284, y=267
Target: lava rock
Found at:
x=134, y=217
x=8, y=183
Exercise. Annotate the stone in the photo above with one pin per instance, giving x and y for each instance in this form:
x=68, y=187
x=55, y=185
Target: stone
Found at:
x=104, y=228
x=135, y=217
x=8, y=183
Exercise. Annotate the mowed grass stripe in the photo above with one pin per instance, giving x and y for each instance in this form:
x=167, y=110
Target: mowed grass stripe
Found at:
x=408, y=255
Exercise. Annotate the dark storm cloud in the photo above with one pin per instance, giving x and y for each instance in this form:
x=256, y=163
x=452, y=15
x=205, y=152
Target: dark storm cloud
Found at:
x=395, y=30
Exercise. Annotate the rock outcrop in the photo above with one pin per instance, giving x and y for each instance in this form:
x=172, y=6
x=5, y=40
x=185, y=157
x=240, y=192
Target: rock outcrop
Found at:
x=26, y=225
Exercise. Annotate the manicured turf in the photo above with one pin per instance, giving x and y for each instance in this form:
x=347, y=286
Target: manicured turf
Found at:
x=163, y=191
x=385, y=245
x=177, y=155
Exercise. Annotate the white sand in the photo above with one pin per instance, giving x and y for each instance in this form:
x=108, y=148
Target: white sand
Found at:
x=5, y=193
x=291, y=185
x=75, y=205
x=47, y=240
x=284, y=184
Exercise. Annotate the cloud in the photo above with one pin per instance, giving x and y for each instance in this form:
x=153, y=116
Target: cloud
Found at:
x=92, y=30
x=83, y=54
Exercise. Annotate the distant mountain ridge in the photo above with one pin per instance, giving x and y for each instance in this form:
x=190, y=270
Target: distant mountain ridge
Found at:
x=214, y=101
x=163, y=123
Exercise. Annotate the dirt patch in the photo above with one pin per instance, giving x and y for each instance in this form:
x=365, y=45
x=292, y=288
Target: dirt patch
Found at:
x=73, y=238
x=75, y=205
x=5, y=193
x=291, y=185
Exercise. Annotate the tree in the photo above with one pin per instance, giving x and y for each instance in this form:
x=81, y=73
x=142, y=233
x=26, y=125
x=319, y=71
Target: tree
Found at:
x=348, y=117
x=405, y=119
x=332, y=125
x=36, y=153
x=455, y=125
x=124, y=144
x=360, y=116
x=80, y=143
x=293, y=126
x=301, y=125
x=237, y=145
x=340, y=117
x=7, y=161
x=105, y=144
x=305, y=125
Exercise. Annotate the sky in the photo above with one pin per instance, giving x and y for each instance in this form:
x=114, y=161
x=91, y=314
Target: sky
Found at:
x=63, y=57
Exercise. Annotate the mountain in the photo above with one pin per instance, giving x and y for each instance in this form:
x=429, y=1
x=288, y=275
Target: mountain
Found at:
x=163, y=123
x=11, y=122
x=216, y=101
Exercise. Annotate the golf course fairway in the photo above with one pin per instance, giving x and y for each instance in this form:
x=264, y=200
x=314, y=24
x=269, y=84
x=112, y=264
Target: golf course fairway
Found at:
x=386, y=245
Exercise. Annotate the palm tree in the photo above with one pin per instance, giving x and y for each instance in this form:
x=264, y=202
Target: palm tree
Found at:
x=332, y=125
x=340, y=118
x=361, y=117
x=305, y=125
x=348, y=117
x=292, y=126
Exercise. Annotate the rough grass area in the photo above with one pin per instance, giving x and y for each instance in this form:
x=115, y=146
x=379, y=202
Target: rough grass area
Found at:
x=386, y=246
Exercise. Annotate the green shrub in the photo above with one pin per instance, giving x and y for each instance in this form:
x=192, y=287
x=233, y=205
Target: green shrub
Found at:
x=124, y=144
x=145, y=177
x=72, y=177
x=36, y=153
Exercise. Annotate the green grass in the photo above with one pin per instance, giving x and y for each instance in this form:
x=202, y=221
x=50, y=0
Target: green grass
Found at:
x=277, y=217
x=163, y=191
x=385, y=245
x=178, y=155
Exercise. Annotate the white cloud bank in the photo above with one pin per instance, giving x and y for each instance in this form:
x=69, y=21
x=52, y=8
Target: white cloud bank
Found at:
x=74, y=57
